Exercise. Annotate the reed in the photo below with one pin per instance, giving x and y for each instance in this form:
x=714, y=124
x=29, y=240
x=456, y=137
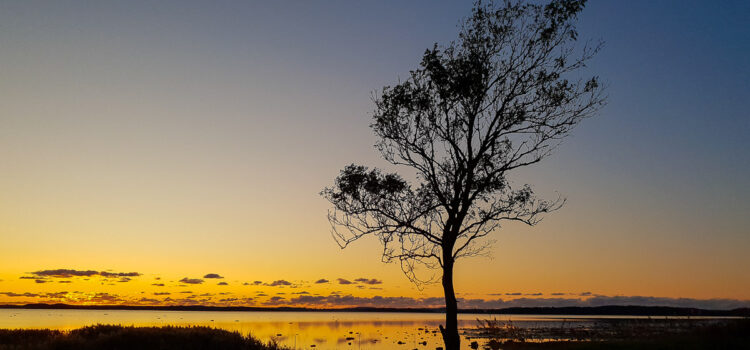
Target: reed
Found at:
x=119, y=337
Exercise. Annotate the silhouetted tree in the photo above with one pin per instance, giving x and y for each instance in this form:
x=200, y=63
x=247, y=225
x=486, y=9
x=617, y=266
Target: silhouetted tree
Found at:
x=501, y=97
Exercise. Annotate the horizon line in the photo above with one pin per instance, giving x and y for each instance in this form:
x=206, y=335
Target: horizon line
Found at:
x=614, y=310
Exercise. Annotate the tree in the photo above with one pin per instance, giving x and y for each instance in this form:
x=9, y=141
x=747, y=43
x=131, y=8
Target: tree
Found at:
x=501, y=97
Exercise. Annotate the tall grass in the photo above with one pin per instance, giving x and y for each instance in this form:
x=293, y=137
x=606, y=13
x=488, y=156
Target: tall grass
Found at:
x=119, y=337
x=618, y=334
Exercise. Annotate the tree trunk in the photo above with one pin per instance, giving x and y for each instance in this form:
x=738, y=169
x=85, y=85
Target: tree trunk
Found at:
x=450, y=332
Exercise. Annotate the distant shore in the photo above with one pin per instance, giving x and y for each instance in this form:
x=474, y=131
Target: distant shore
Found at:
x=613, y=310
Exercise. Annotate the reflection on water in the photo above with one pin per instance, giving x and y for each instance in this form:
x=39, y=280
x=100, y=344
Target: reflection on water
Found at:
x=302, y=330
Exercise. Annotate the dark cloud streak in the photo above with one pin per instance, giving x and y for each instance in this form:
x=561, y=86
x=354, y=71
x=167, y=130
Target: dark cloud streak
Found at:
x=368, y=281
x=191, y=280
x=279, y=283
x=69, y=273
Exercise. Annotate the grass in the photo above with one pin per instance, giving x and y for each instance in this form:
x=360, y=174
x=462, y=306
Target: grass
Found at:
x=119, y=337
x=734, y=334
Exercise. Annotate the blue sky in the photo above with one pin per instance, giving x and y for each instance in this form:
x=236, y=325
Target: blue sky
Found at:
x=188, y=131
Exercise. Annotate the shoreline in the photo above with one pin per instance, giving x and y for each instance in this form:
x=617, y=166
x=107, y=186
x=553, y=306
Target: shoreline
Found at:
x=611, y=310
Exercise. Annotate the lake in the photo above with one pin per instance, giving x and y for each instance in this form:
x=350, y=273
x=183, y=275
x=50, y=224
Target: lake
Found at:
x=302, y=330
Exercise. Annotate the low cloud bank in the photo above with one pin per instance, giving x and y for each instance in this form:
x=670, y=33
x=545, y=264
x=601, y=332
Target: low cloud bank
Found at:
x=44, y=276
x=67, y=273
x=302, y=299
x=336, y=300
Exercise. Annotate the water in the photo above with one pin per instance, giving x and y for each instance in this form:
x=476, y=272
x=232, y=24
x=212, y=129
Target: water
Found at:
x=301, y=330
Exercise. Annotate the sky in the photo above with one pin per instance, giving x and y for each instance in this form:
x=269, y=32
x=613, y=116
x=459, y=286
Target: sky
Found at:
x=146, y=146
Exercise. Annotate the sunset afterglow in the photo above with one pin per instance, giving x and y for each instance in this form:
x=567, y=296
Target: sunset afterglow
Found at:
x=173, y=153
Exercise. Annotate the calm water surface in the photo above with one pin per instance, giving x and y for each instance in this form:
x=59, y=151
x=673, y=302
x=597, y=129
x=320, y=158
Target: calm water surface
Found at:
x=302, y=330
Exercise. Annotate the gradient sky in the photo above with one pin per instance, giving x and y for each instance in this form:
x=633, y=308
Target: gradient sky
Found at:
x=176, y=139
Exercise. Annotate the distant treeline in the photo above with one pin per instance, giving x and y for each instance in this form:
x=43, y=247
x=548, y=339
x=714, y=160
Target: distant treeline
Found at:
x=616, y=310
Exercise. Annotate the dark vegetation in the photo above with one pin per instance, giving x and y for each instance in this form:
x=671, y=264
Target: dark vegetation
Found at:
x=499, y=98
x=618, y=334
x=119, y=337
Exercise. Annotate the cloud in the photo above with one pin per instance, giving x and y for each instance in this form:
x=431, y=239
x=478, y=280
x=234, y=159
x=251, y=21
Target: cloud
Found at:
x=57, y=295
x=41, y=281
x=68, y=273
x=124, y=279
x=27, y=294
x=599, y=300
x=105, y=298
x=516, y=293
x=65, y=273
x=275, y=300
x=119, y=274
x=54, y=295
x=322, y=280
x=557, y=294
x=338, y=300
x=212, y=275
x=369, y=281
x=191, y=280
x=162, y=293
x=279, y=283
x=257, y=282
x=344, y=281
x=222, y=284
x=158, y=284
x=148, y=300
x=64, y=281
x=716, y=304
